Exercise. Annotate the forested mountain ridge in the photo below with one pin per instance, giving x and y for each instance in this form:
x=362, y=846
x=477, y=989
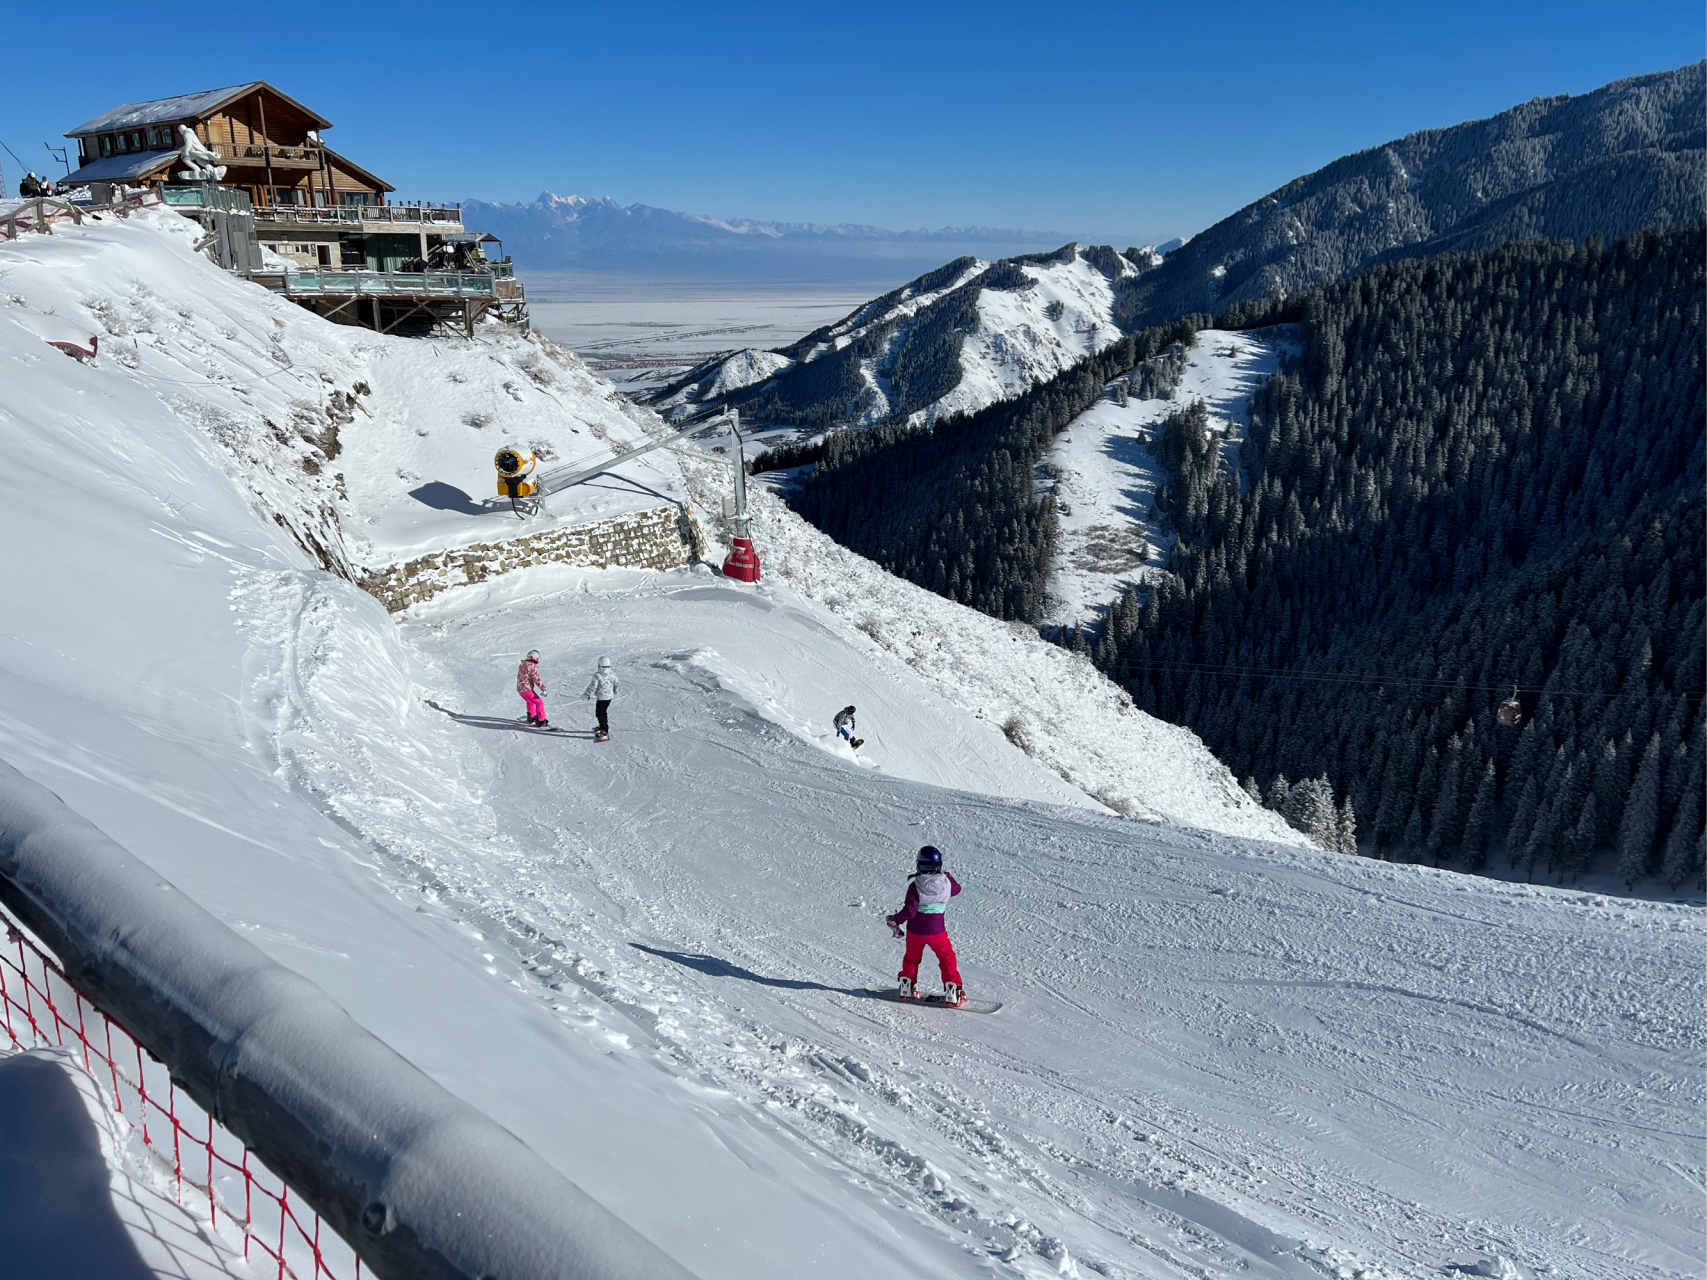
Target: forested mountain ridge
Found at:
x=1631, y=154
x=1486, y=472
x=953, y=341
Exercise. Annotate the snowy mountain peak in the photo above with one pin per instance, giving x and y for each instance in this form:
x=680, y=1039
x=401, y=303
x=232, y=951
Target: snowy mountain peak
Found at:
x=952, y=341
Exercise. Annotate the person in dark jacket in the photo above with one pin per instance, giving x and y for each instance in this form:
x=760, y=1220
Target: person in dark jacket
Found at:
x=924, y=913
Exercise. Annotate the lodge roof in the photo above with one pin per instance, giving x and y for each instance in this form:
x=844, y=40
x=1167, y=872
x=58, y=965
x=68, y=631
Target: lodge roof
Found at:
x=138, y=164
x=184, y=107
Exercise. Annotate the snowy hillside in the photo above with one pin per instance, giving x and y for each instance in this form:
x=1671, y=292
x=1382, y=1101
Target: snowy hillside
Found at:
x=1104, y=477
x=953, y=341
x=652, y=959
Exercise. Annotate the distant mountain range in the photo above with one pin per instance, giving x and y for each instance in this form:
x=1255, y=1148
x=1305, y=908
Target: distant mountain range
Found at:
x=1628, y=155
x=600, y=234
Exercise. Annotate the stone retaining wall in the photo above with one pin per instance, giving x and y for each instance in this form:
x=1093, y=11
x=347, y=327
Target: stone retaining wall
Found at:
x=662, y=538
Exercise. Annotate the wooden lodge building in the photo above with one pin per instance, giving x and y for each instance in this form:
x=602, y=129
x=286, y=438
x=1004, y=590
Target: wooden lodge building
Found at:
x=354, y=258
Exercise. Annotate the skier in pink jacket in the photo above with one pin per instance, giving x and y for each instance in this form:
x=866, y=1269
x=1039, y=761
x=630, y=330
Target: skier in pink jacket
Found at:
x=530, y=684
x=924, y=914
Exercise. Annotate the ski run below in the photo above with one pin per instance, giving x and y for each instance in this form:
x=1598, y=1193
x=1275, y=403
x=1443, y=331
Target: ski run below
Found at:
x=1104, y=478
x=1219, y=1053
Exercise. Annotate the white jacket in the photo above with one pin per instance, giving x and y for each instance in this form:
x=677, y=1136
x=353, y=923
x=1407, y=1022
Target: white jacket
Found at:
x=603, y=685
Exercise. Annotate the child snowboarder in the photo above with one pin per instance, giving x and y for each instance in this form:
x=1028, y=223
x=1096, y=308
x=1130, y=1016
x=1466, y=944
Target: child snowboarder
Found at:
x=923, y=913
x=844, y=725
x=531, y=686
x=602, y=687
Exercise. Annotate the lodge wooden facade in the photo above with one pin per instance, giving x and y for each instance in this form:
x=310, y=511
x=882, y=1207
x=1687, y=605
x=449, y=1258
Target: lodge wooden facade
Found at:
x=353, y=257
x=270, y=144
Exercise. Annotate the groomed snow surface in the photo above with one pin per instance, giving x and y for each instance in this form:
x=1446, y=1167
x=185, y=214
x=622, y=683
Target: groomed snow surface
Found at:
x=649, y=958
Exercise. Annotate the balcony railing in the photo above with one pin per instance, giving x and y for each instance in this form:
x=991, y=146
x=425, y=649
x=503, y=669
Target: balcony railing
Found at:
x=388, y=284
x=191, y=195
x=347, y=213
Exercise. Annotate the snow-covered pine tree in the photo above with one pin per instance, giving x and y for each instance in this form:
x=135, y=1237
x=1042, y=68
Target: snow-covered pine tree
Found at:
x=1641, y=817
x=1310, y=809
x=1479, y=824
x=1347, y=827
x=1681, y=843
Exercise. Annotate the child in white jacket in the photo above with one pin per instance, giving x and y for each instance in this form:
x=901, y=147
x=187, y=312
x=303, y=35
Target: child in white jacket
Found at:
x=603, y=687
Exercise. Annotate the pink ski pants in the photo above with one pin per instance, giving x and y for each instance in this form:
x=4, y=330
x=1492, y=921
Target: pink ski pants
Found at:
x=536, y=704
x=937, y=942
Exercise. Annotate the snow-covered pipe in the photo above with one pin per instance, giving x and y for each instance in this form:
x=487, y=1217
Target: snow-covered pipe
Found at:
x=419, y=1183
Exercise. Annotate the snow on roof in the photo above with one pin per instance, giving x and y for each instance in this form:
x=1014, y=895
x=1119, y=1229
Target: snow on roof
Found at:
x=117, y=168
x=161, y=110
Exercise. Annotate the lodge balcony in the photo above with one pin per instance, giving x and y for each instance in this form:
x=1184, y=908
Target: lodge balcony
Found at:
x=496, y=280
x=441, y=217
x=415, y=302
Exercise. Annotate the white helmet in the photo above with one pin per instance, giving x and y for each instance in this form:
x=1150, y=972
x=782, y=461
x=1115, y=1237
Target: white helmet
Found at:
x=534, y=654
x=604, y=663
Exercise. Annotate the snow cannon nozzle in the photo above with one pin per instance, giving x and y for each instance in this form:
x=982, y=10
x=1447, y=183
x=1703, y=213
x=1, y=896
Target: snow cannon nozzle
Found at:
x=514, y=467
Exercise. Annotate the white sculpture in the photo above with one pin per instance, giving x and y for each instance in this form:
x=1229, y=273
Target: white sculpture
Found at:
x=203, y=163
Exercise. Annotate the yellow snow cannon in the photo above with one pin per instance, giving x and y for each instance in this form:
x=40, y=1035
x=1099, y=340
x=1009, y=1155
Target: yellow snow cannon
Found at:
x=514, y=468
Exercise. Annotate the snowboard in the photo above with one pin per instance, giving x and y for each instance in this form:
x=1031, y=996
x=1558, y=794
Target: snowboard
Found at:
x=935, y=1002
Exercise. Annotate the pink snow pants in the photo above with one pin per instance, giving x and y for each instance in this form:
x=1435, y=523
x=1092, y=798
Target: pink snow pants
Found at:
x=536, y=704
x=937, y=942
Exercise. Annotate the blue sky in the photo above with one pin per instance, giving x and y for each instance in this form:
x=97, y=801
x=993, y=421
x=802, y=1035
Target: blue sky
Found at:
x=1113, y=121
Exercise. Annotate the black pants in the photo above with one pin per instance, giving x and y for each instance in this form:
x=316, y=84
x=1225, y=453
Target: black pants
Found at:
x=602, y=706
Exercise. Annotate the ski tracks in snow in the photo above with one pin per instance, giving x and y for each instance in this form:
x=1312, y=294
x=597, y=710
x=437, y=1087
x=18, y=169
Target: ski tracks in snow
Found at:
x=1216, y=1056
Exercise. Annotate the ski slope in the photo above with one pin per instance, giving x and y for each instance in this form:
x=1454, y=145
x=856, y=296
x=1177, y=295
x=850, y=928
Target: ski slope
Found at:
x=1104, y=478
x=1218, y=1054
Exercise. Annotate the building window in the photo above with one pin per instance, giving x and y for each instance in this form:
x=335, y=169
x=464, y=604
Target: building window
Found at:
x=106, y=145
x=352, y=197
x=124, y=143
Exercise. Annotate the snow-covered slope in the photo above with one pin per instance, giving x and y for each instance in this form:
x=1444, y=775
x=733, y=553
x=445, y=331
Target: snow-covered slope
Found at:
x=953, y=341
x=369, y=448
x=650, y=958
x=718, y=377
x=1104, y=477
